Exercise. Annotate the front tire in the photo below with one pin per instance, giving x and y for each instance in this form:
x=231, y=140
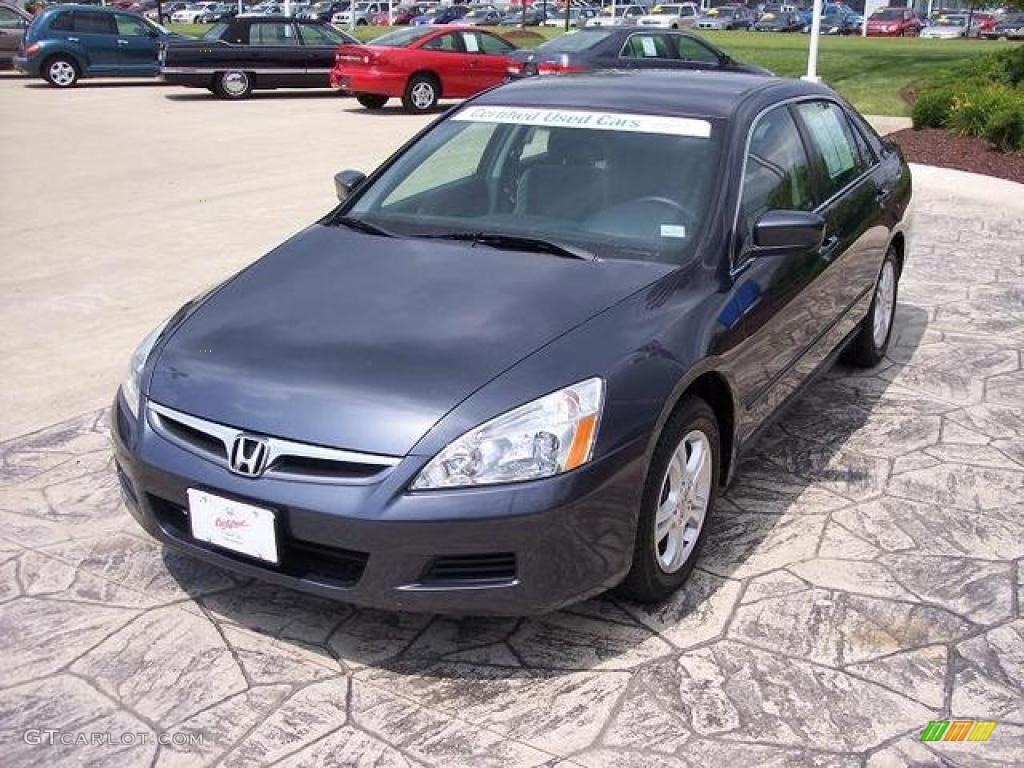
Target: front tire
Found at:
x=869, y=346
x=421, y=94
x=61, y=72
x=679, y=494
x=371, y=100
x=233, y=84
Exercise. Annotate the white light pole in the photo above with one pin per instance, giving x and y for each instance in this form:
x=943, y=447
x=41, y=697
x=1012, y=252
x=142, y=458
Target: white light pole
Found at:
x=812, y=53
x=287, y=7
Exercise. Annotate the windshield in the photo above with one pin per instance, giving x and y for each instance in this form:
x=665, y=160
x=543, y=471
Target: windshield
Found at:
x=666, y=10
x=403, y=37
x=574, y=41
x=951, y=21
x=888, y=14
x=611, y=184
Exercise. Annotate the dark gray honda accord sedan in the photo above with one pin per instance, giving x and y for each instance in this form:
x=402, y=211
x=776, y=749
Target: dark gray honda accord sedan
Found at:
x=514, y=366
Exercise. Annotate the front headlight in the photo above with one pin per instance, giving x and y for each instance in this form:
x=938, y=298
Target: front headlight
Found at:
x=545, y=437
x=132, y=384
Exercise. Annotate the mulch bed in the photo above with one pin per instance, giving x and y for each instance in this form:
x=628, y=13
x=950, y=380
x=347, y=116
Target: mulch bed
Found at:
x=936, y=146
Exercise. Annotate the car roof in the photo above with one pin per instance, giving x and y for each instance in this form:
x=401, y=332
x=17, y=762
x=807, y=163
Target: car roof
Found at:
x=663, y=92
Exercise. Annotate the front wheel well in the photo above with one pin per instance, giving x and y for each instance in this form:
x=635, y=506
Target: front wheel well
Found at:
x=899, y=244
x=713, y=389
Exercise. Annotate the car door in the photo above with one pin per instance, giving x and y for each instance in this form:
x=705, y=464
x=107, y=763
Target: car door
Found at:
x=488, y=59
x=777, y=296
x=444, y=55
x=12, y=30
x=853, y=195
x=319, y=46
x=137, y=44
x=95, y=33
x=279, y=56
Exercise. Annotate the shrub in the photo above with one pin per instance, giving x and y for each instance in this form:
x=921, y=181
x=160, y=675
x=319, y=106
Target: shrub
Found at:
x=1005, y=127
x=931, y=108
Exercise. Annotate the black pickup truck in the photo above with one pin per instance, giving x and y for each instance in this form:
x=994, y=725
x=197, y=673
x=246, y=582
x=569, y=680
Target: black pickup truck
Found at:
x=236, y=57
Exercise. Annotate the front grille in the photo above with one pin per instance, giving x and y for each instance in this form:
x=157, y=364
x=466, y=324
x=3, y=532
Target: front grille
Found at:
x=299, y=559
x=286, y=459
x=498, y=568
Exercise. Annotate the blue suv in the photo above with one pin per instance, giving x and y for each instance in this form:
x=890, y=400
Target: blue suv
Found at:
x=68, y=42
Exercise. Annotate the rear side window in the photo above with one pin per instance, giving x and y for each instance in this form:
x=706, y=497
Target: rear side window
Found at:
x=10, y=20
x=833, y=138
x=493, y=46
x=273, y=33
x=646, y=47
x=778, y=173
x=62, y=22
x=92, y=23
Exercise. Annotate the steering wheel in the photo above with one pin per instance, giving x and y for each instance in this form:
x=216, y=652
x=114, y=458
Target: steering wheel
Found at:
x=642, y=217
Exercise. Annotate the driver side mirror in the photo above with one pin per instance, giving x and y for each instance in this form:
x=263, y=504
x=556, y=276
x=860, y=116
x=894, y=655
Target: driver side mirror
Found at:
x=345, y=182
x=777, y=232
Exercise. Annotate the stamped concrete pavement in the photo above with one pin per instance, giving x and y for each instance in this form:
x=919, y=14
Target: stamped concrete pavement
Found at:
x=863, y=575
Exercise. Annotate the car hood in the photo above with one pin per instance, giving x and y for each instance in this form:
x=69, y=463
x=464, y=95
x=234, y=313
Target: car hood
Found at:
x=354, y=341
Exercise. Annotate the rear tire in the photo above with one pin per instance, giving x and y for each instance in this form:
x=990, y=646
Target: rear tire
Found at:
x=371, y=100
x=61, y=72
x=678, y=497
x=421, y=94
x=233, y=84
x=872, y=340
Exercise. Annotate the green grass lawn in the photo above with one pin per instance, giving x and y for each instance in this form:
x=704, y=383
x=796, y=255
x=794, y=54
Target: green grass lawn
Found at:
x=870, y=72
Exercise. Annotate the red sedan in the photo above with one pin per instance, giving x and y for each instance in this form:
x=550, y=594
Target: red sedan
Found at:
x=422, y=64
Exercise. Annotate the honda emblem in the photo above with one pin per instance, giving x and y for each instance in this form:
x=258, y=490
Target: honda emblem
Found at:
x=249, y=455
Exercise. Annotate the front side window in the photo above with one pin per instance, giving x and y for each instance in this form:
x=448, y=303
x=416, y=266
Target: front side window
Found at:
x=442, y=43
x=616, y=185
x=321, y=35
x=90, y=23
x=833, y=138
x=493, y=46
x=777, y=174
x=689, y=49
x=130, y=26
x=272, y=33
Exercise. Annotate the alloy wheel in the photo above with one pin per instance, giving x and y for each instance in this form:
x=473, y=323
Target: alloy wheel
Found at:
x=683, y=502
x=62, y=73
x=423, y=95
x=885, y=302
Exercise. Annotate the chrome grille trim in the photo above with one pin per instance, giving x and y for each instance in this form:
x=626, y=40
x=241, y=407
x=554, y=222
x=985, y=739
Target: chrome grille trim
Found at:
x=161, y=419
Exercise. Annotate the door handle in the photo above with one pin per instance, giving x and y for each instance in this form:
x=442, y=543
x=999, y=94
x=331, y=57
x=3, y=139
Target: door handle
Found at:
x=72, y=39
x=122, y=42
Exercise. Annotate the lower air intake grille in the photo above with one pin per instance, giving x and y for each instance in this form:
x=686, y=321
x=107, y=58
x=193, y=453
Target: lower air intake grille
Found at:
x=472, y=569
x=300, y=559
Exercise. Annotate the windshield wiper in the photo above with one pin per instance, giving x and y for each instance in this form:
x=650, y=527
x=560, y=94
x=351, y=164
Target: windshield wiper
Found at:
x=517, y=243
x=361, y=225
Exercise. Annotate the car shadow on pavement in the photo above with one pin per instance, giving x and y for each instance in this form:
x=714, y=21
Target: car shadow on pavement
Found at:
x=833, y=447
x=200, y=94
x=98, y=84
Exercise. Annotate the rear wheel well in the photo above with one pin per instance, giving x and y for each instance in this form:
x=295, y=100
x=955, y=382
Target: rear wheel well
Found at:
x=428, y=74
x=714, y=390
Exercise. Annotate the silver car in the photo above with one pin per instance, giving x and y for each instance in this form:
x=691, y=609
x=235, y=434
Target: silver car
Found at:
x=13, y=23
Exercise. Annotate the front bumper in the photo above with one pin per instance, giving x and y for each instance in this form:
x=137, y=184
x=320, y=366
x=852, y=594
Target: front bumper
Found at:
x=542, y=544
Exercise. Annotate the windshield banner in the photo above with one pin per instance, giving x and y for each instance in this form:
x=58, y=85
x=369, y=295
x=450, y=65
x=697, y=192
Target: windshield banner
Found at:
x=596, y=121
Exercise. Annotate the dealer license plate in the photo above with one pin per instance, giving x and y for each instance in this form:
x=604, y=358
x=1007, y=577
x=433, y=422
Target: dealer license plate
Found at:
x=232, y=525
